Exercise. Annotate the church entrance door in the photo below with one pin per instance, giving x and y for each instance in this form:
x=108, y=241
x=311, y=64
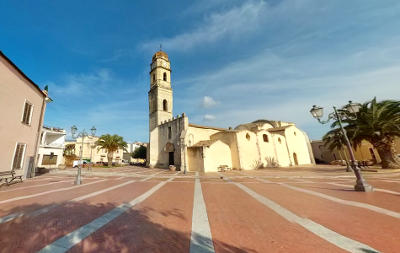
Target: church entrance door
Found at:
x=171, y=158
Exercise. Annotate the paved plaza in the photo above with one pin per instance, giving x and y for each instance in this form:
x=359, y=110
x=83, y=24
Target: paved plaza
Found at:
x=133, y=209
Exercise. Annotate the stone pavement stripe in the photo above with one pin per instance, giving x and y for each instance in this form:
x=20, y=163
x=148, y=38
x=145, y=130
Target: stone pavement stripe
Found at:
x=389, y=181
x=346, y=202
x=375, y=189
x=51, y=191
x=48, y=208
x=66, y=242
x=201, y=239
x=337, y=200
x=33, y=186
x=153, y=175
x=102, y=191
x=315, y=228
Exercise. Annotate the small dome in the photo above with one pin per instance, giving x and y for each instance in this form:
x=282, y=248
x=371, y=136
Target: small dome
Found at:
x=160, y=54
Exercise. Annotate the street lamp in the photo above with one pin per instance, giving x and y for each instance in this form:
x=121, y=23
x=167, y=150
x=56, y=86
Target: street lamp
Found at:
x=349, y=111
x=83, y=134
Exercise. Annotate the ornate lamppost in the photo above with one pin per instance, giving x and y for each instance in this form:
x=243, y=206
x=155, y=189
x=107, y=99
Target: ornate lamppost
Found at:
x=349, y=111
x=83, y=134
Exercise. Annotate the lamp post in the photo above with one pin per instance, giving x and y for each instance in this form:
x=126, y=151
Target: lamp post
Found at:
x=92, y=146
x=349, y=111
x=83, y=134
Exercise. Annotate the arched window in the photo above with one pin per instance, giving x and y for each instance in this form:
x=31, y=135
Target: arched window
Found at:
x=154, y=77
x=279, y=140
x=265, y=137
x=248, y=137
x=165, y=76
x=165, y=105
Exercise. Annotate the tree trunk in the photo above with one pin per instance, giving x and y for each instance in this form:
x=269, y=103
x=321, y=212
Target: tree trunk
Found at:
x=388, y=157
x=109, y=158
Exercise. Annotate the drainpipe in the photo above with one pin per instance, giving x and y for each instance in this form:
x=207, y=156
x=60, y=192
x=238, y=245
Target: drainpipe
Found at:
x=287, y=147
x=38, y=133
x=258, y=149
x=238, y=152
x=276, y=153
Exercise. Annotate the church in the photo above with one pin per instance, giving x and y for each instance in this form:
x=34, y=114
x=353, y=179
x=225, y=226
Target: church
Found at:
x=191, y=147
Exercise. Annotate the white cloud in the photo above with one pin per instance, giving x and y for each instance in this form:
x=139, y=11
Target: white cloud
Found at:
x=208, y=117
x=208, y=102
x=81, y=84
x=233, y=23
x=282, y=88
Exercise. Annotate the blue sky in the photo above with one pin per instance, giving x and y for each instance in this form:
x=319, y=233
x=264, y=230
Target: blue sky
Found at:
x=233, y=61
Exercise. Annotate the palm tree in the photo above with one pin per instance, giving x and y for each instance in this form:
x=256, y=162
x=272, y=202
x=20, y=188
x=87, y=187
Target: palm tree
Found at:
x=378, y=123
x=111, y=143
x=334, y=140
x=69, y=149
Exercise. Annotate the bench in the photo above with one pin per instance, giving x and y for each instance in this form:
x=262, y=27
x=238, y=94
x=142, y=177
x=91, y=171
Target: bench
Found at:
x=10, y=176
x=222, y=168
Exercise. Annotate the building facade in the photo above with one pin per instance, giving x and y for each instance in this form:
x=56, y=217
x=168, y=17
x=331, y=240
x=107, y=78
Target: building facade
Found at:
x=51, y=147
x=174, y=141
x=127, y=157
x=93, y=153
x=364, y=152
x=24, y=106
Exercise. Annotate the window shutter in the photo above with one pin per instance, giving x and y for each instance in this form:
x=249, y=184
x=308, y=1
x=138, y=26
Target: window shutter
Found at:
x=19, y=151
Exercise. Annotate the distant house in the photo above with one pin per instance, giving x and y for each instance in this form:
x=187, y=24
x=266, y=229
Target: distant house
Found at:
x=92, y=152
x=51, y=147
x=130, y=149
x=363, y=152
x=23, y=106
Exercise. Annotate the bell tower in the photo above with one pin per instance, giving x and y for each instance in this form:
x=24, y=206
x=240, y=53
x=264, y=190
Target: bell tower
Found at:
x=160, y=94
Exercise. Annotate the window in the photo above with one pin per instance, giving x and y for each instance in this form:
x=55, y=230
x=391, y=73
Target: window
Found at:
x=247, y=136
x=279, y=140
x=294, y=133
x=18, y=156
x=165, y=76
x=169, y=132
x=27, y=116
x=265, y=137
x=49, y=159
x=154, y=77
x=165, y=105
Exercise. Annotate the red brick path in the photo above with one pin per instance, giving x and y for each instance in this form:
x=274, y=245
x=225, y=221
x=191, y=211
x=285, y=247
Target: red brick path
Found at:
x=163, y=221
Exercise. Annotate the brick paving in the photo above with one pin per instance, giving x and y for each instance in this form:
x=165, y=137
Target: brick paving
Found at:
x=133, y=209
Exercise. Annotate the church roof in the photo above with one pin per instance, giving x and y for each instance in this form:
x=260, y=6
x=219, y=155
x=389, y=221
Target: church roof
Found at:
x=273, y=123
x=160, y=54
x=204, y=143
x=277, y=129
x=208, y=127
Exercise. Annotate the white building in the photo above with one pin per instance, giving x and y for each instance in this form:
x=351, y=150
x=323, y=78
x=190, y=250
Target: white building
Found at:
x=92, y=152
x=131, y=148
x=51, y=147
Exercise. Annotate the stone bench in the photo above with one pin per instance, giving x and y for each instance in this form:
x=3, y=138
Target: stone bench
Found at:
x=10, y=176
x=222, y=168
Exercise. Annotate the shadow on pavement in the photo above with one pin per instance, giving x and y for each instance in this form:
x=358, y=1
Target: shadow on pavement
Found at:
x=136, y=230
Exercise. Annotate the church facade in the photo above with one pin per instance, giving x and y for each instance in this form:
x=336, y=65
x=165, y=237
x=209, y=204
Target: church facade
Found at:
x=175, y=141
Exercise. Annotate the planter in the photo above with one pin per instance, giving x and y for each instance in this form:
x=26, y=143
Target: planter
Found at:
x=172, y=168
